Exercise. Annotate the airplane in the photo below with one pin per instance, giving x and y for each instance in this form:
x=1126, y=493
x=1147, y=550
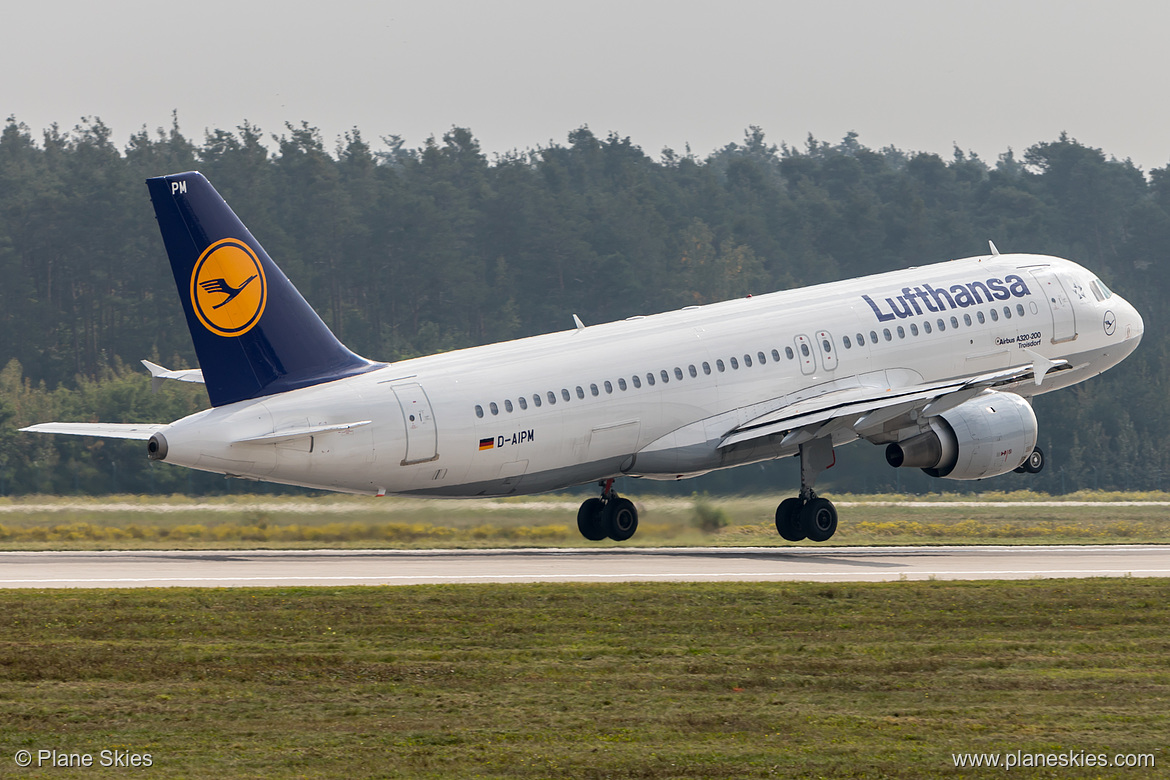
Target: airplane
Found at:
x=936, y=363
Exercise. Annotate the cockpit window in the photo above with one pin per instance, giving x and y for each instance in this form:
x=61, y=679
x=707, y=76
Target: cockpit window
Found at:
x=1100, y=291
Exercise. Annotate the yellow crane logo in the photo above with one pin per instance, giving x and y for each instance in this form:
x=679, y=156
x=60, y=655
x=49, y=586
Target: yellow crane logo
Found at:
x=228, y=288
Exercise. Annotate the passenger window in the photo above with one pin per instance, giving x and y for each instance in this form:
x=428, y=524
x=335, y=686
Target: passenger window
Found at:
x=593, y=389
x=719, y=365
x=678, y=372
x=926, y=326
x=495, y=409
x=536, y=399
x=873, y=337
x=478, y=410
x=637, y=381
x=622, y=384
x=706, y=367
x=913, y=329
x=609, y=387
x=994, y=316
x=941, y=325
x=901, y=332
x=763, y=360
x=734, y=363
x=1007, y=312
x=788, y=353
x=565, y=393
x=523, y=402
x=955, y=322
x=885, y=332
x=775, y=356
x=967, y=320
x=665, y=376
x=1020, y=309
x=650, y=379
x=860, y=340
x=507, y=405
x=693, y=371
x=747, y=361
x=825, y=345
x=847, y=342
x=552, y=397
x=980, y=317
x=804, y=349
x=580, y=392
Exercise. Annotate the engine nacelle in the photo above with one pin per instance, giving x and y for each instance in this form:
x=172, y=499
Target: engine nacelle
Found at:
x=989, y=435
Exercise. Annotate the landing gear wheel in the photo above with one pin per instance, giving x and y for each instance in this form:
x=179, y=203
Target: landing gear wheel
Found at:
x=818, y=519
x=1035, y=462
x=591, y=520
x=788, y=519
x=621, y=519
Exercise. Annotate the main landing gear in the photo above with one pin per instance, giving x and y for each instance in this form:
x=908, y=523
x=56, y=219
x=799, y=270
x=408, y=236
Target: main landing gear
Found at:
x=809, y=516
x=609, y=516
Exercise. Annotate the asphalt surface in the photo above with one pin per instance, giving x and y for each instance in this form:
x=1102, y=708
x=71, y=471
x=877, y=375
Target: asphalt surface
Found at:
x=228, y=568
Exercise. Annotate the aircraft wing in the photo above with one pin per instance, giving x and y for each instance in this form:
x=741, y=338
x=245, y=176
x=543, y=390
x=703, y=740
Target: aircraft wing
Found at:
x=868, y=409
x=141, y=431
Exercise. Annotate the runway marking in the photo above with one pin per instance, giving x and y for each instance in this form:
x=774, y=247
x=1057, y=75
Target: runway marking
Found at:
x=753, y=574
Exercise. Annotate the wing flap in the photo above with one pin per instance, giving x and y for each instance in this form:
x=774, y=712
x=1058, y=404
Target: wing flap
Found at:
x=869, y=408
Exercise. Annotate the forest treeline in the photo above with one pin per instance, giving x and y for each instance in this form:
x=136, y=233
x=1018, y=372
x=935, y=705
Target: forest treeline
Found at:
x=411, y=251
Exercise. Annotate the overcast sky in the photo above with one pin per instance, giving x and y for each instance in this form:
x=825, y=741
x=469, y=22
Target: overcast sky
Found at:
x=987, y=75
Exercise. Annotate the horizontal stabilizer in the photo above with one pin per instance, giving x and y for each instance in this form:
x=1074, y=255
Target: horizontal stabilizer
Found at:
x=158, y=374
x=303, y=432
x=141, y=431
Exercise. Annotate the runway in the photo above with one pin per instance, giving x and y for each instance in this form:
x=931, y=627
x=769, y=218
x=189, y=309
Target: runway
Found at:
x=273, y=568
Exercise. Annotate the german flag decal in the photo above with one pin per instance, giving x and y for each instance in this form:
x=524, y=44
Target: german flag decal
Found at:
x=486, y=444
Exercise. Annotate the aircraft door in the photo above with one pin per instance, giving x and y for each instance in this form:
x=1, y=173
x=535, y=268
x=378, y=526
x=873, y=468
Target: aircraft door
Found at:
x=804, y=354
x=421, y=433
x=1064, y=318
x=827, y=349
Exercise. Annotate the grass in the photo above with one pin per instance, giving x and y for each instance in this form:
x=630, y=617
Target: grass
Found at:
x=179, y=522
x=591, y=681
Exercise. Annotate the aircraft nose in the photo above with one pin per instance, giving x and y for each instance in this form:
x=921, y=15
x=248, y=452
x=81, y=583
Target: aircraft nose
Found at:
x=1129, y=318
x=1138, y=325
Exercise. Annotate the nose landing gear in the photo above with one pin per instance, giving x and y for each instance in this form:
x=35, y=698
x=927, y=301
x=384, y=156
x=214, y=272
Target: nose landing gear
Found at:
x=610, y=516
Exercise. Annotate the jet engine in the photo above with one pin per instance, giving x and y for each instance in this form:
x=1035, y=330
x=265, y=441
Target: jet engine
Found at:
x=989, y=435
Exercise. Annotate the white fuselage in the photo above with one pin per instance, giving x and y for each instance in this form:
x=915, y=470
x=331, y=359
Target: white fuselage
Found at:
x=653, y=396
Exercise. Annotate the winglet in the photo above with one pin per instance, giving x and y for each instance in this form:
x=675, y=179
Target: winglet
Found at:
x=994, y=251
x=577, y=321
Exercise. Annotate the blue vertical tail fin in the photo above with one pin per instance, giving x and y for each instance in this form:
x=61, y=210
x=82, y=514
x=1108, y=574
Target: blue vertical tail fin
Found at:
x=254, y=334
